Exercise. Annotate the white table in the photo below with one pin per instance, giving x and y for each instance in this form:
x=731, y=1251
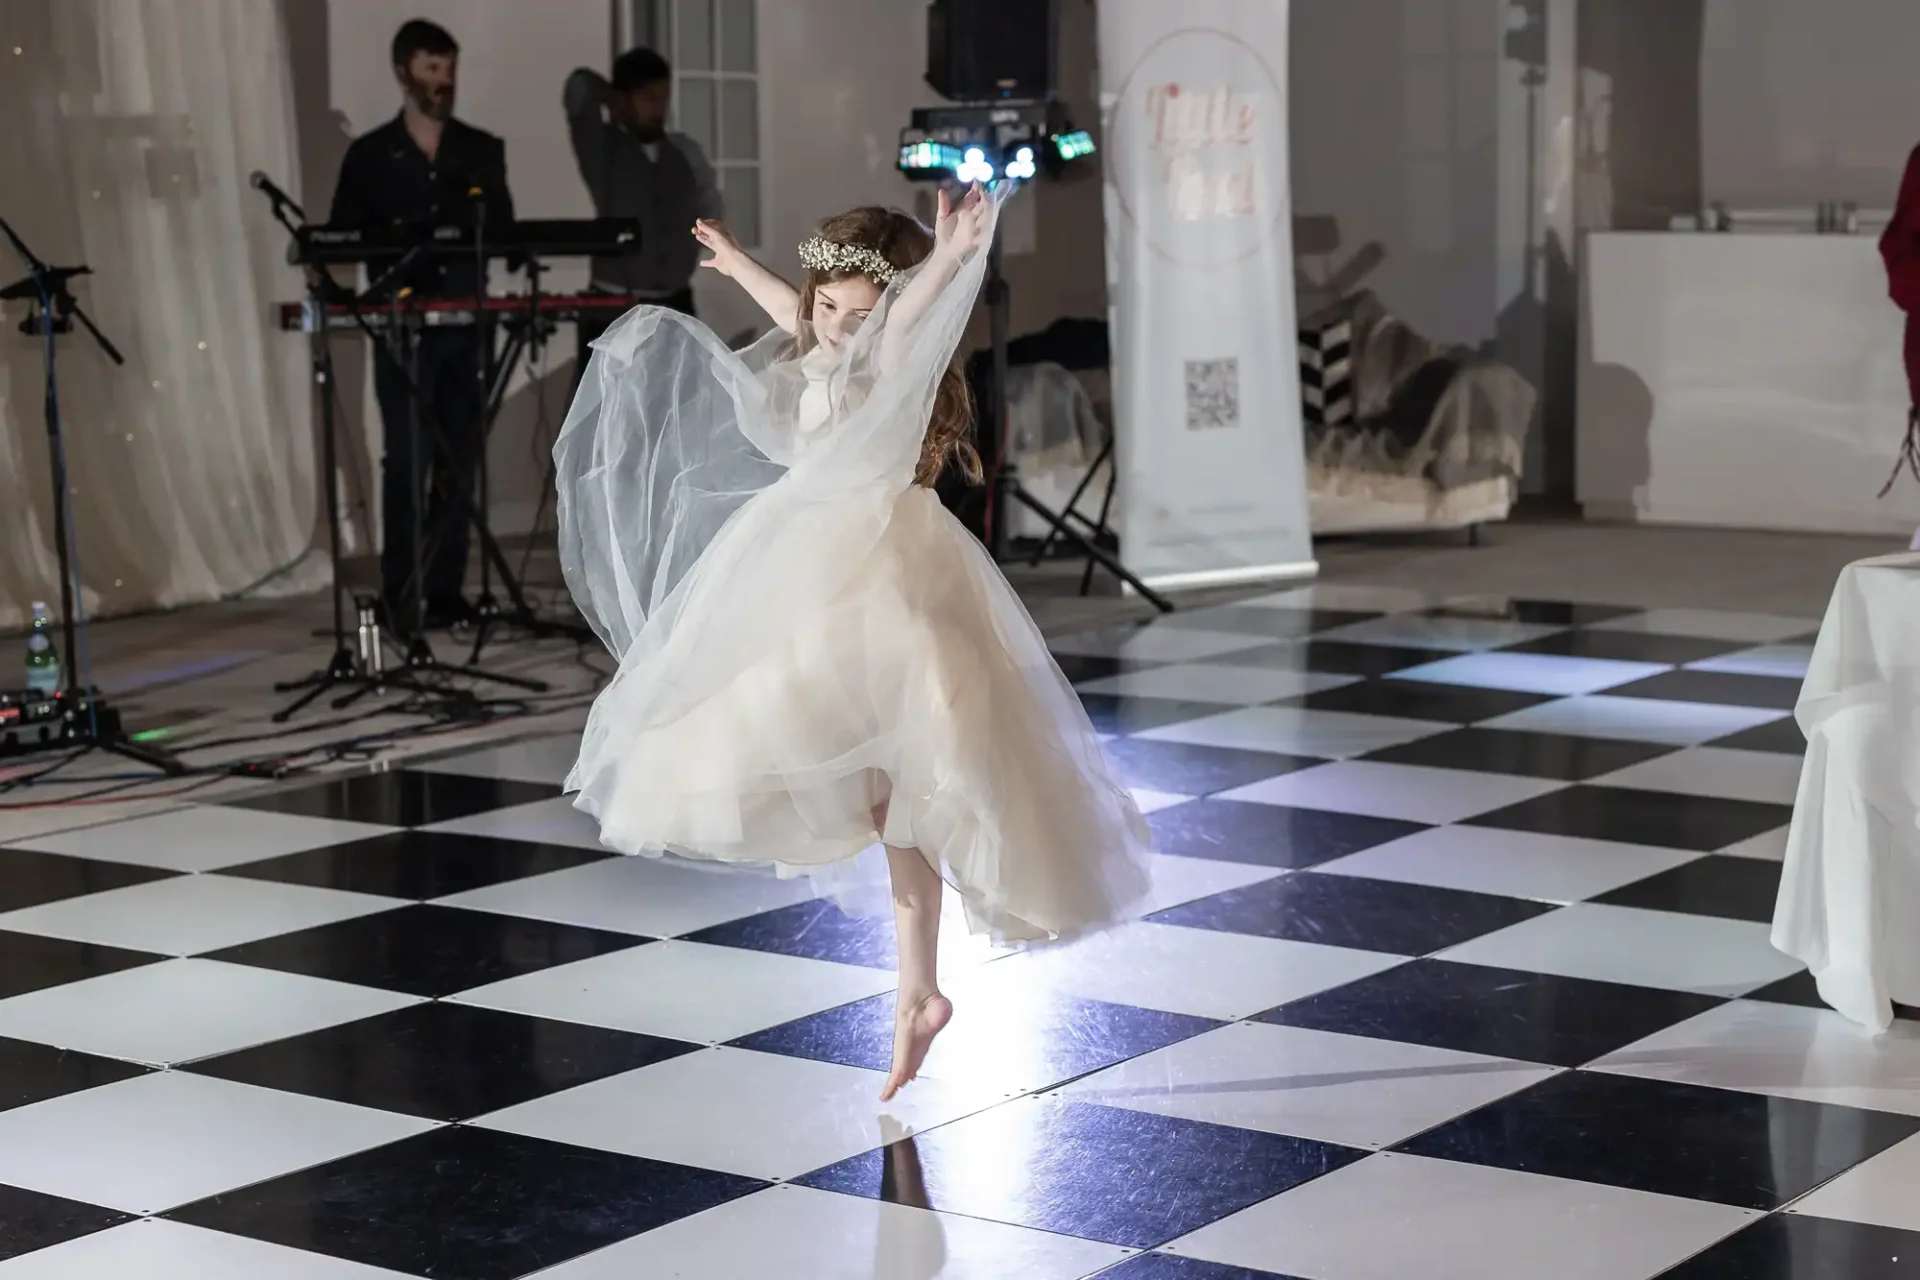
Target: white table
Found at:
x=1743, y=380
x=1849, y=903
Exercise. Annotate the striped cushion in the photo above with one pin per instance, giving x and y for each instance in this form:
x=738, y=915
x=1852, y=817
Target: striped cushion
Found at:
x=1326, y=373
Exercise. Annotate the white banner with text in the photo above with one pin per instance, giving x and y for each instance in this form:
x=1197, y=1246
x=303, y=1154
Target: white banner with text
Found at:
x=1206, y=377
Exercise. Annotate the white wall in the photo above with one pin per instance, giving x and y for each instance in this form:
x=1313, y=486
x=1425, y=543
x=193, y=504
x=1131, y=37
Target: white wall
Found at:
x=1802, y=101
x=1394, y=136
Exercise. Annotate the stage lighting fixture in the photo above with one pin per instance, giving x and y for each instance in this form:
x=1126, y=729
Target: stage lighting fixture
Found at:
x=981, y=142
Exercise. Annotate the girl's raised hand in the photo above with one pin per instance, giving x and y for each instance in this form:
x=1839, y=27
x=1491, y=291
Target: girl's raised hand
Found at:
x=727, y=253
x=959, y=229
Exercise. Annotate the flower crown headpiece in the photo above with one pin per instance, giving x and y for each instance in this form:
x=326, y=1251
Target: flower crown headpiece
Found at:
x=817, y=254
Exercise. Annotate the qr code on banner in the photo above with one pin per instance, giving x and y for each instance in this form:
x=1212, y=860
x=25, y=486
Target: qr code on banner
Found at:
x=1213, y=394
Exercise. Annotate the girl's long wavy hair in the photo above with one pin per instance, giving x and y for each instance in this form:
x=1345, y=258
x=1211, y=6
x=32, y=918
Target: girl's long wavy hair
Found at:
x=905, y=243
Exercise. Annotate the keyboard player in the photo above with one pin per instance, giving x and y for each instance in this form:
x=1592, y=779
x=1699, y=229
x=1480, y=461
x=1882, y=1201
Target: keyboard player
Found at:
x=425, y=168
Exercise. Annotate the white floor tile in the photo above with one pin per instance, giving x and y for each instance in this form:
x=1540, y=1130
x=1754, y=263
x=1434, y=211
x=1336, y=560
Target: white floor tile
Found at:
x=756, y=1114
x=190, y=915
x=1176, y=881
x=1213, y=682
x=1784, y=1051
x=638, y=895
x=1155, y=644
x=1762, y=776
x=203, y=838
x=796, y=1231
x=1786, y=661
x=1711, y=624
x=553, y=821
x=534, y=760
x=1516, y=864
x=684, y=990
x=1354, y=1091
x=166, y=1139
x=1302, y=731
x=1879, y=1192
x=1151, y=801
x=1202, y=972
x=1455, y=635
x=154, y=1249
x=1680, y=724
x=1414, y=793
x=1353, y=597
x=1769, y=846
x=1640, y=948
x=20, y=825
x=184, y=1010
x=1531, y=672
x=1390, y=1217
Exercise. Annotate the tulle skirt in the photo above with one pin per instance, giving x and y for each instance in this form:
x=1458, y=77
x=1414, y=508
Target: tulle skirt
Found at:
x=923, y=692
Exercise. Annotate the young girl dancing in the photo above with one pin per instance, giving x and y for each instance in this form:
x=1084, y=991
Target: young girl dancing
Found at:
x=814, y=655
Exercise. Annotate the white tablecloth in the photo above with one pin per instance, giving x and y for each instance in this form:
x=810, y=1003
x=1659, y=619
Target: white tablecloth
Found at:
x=1849, y=903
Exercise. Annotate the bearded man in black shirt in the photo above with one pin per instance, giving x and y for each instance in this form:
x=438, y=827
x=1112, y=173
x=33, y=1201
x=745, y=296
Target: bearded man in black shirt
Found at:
x=421, y=169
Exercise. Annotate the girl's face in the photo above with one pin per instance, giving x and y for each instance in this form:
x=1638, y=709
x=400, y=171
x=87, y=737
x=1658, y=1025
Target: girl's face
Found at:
x=839, y=306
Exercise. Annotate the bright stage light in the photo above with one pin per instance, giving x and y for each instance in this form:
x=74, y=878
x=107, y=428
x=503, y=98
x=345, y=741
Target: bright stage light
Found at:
x=1022, y=167
x=974, y=167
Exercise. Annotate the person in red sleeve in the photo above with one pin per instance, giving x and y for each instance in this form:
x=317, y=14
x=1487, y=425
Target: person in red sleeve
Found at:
x=1900, y=249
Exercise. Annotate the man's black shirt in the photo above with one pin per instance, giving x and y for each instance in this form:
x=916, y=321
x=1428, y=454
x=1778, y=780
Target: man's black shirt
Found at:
x=387, y=182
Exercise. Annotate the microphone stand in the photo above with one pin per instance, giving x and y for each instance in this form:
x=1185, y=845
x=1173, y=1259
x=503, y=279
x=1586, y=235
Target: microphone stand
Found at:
x=85, y=716
x=356, y=664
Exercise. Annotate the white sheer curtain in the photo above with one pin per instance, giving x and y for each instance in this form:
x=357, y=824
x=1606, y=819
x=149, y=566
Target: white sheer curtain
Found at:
x=131, y=129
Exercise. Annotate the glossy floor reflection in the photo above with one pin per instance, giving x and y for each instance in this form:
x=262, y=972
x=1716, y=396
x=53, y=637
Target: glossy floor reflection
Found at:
x=1456, y=966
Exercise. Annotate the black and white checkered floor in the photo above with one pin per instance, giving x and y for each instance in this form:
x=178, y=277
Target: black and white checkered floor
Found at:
x=1457, y=967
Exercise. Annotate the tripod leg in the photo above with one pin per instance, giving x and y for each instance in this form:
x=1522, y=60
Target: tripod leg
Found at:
x=1073, y=501
x=1106, y=510
x=1110, y=563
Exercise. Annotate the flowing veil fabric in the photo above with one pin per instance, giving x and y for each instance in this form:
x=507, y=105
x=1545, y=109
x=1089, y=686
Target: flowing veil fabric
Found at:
x=803, y=633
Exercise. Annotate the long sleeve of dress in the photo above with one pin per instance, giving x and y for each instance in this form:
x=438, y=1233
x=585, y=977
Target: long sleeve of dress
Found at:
x=1900, y=243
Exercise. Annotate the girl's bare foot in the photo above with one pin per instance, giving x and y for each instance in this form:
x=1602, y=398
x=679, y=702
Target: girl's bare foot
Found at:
x=914, y=1027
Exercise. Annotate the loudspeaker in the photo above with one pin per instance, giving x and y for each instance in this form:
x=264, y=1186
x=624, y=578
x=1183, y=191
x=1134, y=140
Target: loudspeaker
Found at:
x=978, y=50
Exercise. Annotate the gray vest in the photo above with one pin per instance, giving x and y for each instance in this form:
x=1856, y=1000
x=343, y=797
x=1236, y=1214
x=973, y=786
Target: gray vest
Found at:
x=664, y=196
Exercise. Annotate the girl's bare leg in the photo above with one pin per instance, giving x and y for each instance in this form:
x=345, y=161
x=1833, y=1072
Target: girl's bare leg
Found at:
x=920, y=1012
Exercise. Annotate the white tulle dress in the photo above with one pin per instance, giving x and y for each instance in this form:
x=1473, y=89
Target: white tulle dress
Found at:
x=804, y=634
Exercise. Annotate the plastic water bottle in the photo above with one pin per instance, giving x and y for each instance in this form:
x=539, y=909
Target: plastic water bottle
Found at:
x=43, y=656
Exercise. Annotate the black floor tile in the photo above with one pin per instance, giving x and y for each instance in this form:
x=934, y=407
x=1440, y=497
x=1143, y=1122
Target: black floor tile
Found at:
x=1670, y=1139
x=30, y=963
x=1189, y=770
x=29, y=879
x=418, y=864
x=400, y=799
x=1628, y=646
x=1532, y=1017
x=426, y=950
x=1543, y=613
x=30, y=1221
x=1421, y=700
x=31, y=1073
x=1269, y=835
x=469, y=1203
x=1347, y=911
x=1787, y=1246
x=1111, y=713
x=1723, y=688
x=1730, y=888
x=1331, y=657
x=1079, y=667
x=1125, y=1177
x=813, y=930
x=1700, y=824
x=1165, y=1266
x=442, y=1061
x=1276, y=624
x=1524, y=754
x=1049, y=1040
x=1782, y=737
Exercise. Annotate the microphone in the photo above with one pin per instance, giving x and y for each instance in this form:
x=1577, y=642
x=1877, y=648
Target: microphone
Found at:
x=259, y=181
